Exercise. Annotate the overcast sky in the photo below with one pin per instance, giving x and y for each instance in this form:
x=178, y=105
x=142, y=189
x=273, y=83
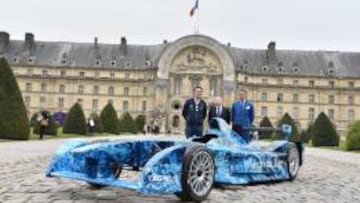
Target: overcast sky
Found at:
x=293, y=24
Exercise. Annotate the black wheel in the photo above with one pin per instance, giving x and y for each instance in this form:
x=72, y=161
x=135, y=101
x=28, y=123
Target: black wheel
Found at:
x=198, y=173
x=293, y=160
x=116, y=169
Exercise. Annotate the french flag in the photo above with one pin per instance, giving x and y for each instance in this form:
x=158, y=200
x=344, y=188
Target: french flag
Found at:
x=196, y=6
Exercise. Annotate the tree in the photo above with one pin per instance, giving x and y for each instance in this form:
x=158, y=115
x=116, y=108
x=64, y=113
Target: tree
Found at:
x=51, y=129
x=265, y=122
x=75, y=121
x=14, y=123
x=33, y=119
x=324, y=132
x=140, y=122
x=286, y=119
x=127, y=123
x=109, y=119
x=353, y=137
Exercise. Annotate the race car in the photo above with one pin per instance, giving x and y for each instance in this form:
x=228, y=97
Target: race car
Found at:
x=188, y=168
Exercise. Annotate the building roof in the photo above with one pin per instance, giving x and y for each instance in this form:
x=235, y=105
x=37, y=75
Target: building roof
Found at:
x=123, y=55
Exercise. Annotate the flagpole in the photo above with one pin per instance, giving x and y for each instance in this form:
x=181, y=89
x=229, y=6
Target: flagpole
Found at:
x=198, y=20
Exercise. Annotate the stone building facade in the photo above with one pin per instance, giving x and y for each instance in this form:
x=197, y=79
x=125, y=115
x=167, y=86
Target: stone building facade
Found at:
x=155, y=80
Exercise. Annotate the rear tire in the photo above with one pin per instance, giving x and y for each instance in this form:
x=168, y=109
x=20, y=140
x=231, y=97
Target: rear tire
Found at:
x=293, y=160
x=198, y=174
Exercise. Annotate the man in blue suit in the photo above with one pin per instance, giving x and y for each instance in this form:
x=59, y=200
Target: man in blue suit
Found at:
x=242, y=115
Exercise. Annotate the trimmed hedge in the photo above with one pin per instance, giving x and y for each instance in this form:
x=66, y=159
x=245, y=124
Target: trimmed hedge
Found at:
x=286, y=119
x=265, y=122
x=75, y=121
x=353, y=137
x=14, y=123
x=140, y=122
x=127, y=123
x=109, y=120
x=324, y=132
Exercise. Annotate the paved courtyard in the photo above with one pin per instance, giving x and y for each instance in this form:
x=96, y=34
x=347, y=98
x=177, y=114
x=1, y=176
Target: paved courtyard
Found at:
x=326, y=176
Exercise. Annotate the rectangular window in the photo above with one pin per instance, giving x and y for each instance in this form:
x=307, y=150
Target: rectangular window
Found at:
x=145, y=91
x=264, y=96
x=213, y=85
x=95, y=104
x=125, y=106
x=263, y=111
x=311, y=83
x=280, y=81
x=80, y=101
x=112, y=75
x=62, y=88
x=295, y=112
x=82, y=74
x=331, y=99
x=61, y=103
x=279, y=111
x=331, y=84
x=97, y=74
x=126, y=91
x=351, y=84
x=127, y=76
x=331, y=114
x=29, y=72
x=81, y=89
x=62, y=73
x=177, y=85
x=27, y=101
x=296, y=83
x=43, y=87
x=311, y=98
x=28, y=87
x=96, y=90
x=311, y=114
x=351, y=100
x=351, y=115
x=295, y=98
x=111, y=91
x=280, y=97
x=264, y=81
x=110, y=101
x=45, y=73
x=144, y=105
x=42, y=102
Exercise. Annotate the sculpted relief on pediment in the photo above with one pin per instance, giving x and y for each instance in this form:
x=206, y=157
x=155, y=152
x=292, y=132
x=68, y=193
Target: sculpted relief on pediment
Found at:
x=198, y=60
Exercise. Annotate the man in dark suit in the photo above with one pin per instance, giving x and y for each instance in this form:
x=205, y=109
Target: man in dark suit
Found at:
x=218, y=110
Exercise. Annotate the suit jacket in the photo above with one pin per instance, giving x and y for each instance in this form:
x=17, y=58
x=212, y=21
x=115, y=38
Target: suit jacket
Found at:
x=225, y=114
x=242, y=113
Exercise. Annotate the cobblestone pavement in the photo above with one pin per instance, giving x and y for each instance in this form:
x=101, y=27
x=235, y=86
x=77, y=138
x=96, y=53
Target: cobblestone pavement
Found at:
x=326, y=176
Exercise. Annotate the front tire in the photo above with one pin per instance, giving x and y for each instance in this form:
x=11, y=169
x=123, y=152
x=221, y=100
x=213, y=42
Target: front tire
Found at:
x=293, y=160
x=198, y=174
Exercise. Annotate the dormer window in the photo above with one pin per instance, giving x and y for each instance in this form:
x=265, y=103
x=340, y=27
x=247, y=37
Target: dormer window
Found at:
x=113, y=63
x=15, y=59
x=265, y=69
x=280, y=69
x=31, y=60
x=148, y=63
x=128, y=64
x=98, y=63
x=63, y=62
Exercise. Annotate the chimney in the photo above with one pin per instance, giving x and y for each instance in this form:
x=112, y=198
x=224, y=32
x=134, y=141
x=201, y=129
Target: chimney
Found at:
x=123, y=47
x=4, y=41
x=96, y=42
x=271, y=54
x=29, y=45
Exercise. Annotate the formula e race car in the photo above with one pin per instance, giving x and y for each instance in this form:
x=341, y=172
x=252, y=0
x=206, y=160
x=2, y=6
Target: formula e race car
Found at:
x=187, y=168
